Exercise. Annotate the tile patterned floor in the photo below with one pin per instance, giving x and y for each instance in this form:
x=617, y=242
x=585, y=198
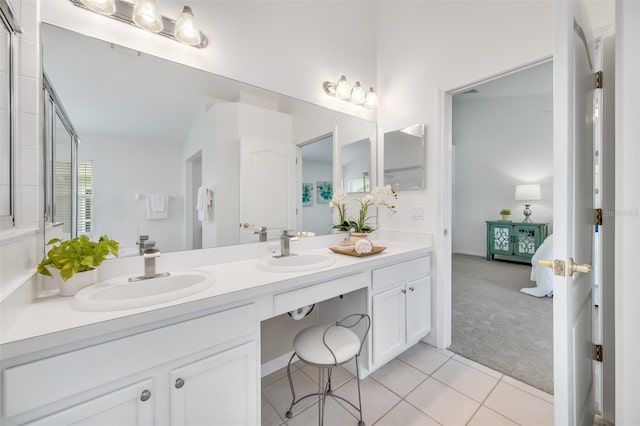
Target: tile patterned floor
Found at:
x=423, y=386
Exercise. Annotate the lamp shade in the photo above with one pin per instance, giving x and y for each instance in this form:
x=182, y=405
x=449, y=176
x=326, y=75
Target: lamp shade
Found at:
x=147, y=16
x=187, y=30
x=528, y=192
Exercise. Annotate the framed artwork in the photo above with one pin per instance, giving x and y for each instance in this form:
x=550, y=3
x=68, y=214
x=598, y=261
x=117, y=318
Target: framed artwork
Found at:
x=325, y=192
x=307, y=194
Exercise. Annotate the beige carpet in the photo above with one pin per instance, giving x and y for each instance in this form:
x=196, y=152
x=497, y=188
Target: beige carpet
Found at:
x=497, y=325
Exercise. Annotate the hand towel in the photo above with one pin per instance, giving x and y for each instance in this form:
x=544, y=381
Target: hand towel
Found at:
x=157, y=206
x=363, y=246
x=200, y=204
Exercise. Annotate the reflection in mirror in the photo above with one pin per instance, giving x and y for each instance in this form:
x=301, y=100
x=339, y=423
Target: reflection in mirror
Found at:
x=187, y=157
x=404, y=158
x=356, y=160
x=5, y=123
x=317, y=179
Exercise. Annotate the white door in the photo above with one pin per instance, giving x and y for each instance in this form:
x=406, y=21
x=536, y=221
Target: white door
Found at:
x=418, y=309
x=132, y=405
x=388, y=326
x=218, y=390
x=267, y=187
x=573, y=214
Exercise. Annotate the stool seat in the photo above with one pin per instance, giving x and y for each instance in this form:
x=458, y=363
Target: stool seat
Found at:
x=309, y=346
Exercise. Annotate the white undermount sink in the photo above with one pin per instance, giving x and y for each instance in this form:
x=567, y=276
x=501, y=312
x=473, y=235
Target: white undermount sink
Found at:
x=296, y=262
x=118, y=293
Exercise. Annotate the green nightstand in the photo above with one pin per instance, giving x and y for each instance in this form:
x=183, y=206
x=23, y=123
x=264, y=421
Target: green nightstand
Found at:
x=515, y=241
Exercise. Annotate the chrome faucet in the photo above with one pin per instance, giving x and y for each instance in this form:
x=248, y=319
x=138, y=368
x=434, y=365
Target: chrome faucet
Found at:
x=149, y=252
x=262, y=232
x=285, y=239
x=141, y=242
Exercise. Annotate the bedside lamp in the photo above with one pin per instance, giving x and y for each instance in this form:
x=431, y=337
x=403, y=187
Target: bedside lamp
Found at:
x=528, y=193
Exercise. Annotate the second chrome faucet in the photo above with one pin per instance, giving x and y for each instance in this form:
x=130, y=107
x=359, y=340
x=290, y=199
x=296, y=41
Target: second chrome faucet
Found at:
x=149, y=252
x=285, y=246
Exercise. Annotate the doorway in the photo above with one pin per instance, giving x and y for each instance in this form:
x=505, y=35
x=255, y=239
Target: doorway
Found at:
x=316, y=159
x=502, y=137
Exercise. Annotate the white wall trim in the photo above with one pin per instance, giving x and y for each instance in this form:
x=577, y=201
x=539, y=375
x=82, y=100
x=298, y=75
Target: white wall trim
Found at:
x=442, y=242
x=275, y=364
x=627, y=211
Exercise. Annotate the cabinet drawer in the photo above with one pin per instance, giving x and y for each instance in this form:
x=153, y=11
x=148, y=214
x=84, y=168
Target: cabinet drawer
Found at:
x=295, y=299
x=42, y=382
x=389, y=275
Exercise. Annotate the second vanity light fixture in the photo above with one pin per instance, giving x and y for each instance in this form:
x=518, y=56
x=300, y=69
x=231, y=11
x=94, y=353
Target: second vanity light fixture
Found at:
x=356, y=95
x=146, y=15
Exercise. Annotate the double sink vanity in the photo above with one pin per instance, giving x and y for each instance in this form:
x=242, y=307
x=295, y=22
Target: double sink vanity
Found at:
x=186, y=349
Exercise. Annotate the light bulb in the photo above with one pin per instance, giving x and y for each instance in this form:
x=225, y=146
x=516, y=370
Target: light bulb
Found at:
x=343, y=91
x=106, y=7
x=371, y=100
x=357, y=94
x=187, y=30
x=147, y=16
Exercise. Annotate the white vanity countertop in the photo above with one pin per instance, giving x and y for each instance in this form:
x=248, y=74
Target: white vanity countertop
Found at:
x=51, y=322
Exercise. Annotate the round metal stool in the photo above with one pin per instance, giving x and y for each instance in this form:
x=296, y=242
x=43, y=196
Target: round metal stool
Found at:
x=327, y=347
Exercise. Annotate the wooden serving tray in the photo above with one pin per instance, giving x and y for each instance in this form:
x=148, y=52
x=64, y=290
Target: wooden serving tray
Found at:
x=351, y=250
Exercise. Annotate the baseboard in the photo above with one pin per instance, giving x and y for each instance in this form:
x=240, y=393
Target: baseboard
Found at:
x=469, y=252
x=275, y=364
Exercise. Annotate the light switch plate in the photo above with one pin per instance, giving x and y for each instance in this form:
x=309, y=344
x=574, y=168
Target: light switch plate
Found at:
x=417, y=212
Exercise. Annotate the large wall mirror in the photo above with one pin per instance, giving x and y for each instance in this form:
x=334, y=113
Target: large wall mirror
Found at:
x=190, y=158
x=404, y=158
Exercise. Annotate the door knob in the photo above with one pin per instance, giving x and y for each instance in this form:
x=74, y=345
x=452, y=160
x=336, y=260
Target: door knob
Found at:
x=574, y=267
x=557, y=266
x=546, y=263
x=179, y=383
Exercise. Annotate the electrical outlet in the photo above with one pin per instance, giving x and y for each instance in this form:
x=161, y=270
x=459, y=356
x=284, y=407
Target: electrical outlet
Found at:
x=417, y=212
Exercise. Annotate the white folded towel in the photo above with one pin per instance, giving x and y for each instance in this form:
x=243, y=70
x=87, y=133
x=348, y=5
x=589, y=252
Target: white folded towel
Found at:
x=363, y=245
x=204, y=203
x=157, y=206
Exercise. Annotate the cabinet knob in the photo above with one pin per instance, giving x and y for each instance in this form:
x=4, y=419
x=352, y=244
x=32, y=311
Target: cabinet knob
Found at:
x=179, y=383
x=145, y=395
x=403, y=291
x=411, y=288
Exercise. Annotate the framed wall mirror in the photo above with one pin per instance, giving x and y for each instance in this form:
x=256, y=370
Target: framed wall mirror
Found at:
x=192, y=159
x=356, y=166
x=404, y=158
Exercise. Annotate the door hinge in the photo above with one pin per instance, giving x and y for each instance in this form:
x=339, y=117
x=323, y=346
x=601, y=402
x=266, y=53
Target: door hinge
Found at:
x=597, y=217
x=598, y=78
x=597, y=353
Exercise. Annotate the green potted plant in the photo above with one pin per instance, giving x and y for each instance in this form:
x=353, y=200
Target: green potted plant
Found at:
x=76, y=261
x=506, y=214
x=380, y=196
x=339, y=202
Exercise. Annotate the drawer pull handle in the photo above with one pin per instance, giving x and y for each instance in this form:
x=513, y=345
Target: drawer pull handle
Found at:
x=403, y=291
x=412, y=289
x=179, y=383
x=145, y=395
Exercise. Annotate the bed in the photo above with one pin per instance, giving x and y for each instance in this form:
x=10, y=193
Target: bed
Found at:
x=542, y=276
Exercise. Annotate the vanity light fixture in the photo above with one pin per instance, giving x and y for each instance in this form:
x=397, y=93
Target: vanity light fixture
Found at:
x=146, y=15
x=105, y=7
x=356, y=95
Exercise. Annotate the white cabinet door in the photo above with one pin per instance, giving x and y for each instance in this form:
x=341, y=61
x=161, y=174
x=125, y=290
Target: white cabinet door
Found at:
x=418, y=309
x=388, y=323
x=217, y=390
x=124, y=406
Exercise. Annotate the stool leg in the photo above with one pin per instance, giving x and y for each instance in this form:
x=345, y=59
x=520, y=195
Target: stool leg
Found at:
x=361, y=422
x=329, y=390
x=289, y=413
x=320, y=396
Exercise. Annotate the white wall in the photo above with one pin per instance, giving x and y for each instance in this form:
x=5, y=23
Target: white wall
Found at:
x=499, y=143
x=627, y=212
x=21, y=247
x=117, y=180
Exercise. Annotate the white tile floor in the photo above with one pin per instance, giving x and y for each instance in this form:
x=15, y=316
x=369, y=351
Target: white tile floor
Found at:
x=423, y=386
